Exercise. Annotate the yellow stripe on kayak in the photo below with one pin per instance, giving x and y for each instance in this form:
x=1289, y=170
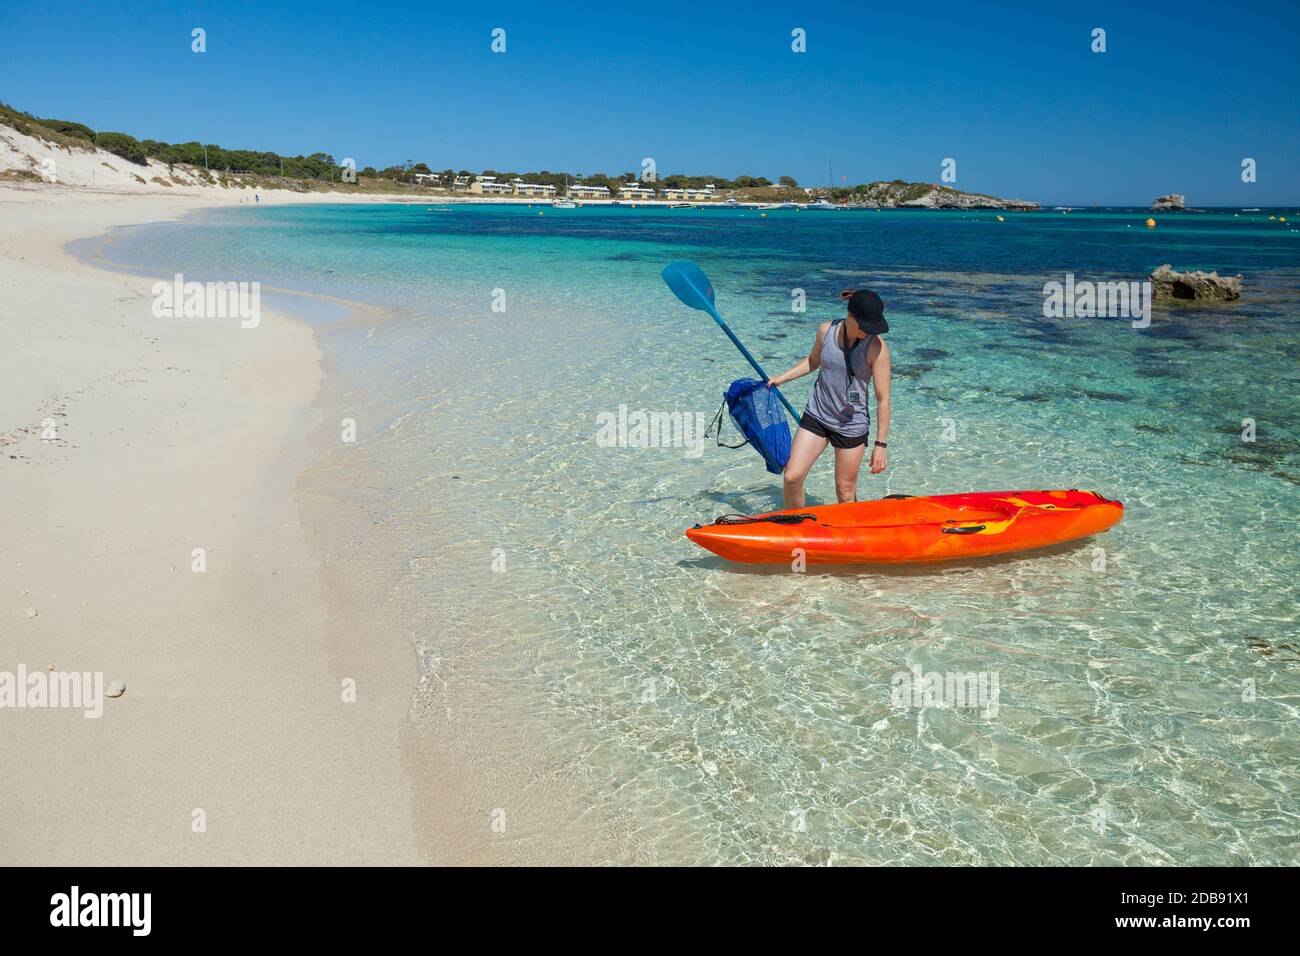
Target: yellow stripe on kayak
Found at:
x=997, y=527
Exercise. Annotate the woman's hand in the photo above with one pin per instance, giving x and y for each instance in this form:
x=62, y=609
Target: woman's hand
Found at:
x=774, y=381
x=879, y=460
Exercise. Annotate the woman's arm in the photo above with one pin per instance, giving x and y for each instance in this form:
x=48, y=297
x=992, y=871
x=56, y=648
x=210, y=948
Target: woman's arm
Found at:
x=804, y=366
x=880, y=378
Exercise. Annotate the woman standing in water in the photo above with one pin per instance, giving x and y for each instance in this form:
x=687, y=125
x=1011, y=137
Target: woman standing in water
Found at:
x=846, y=354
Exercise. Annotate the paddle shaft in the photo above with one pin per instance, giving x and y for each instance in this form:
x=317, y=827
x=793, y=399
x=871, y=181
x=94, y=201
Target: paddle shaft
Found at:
x=752, y=361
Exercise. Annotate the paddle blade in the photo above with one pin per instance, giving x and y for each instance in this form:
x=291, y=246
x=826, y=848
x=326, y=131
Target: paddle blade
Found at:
x=690, y=284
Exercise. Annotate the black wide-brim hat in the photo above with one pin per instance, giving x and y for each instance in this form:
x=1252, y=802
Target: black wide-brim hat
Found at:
x=867, y=309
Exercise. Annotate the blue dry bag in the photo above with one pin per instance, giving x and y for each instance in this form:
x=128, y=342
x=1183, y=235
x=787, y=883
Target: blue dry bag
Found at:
x=756, y=411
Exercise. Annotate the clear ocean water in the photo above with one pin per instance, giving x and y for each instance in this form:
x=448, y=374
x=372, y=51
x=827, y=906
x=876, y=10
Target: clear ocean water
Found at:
x=618, y=695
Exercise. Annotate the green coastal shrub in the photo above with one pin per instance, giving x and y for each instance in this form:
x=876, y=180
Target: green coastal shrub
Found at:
x=69, y=128
x=128, y=147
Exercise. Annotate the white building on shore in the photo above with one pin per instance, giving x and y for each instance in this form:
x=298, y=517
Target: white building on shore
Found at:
x=635, y=190
x=522, y=188
x=700, y=194
x=488, y=186
x=579, y=191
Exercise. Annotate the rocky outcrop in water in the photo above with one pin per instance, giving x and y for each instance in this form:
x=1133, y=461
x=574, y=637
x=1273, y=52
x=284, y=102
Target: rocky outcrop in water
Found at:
x=1194, y=286
x=1174, y=202
x=956, y=199
x=902, y=195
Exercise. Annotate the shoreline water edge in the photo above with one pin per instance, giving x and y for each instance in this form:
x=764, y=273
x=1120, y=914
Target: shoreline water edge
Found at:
x=153, y=533
x=351, y=779
x=281, y=535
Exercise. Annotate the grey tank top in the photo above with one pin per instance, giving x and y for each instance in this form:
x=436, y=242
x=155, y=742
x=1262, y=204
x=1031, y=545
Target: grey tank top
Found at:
x=839, y=401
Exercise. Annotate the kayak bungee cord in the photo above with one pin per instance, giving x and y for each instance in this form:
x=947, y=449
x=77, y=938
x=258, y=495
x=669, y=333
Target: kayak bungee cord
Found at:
x=773, y=519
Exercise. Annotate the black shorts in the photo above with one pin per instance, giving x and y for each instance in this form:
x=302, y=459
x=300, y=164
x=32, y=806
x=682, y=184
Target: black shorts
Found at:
x=837, y=440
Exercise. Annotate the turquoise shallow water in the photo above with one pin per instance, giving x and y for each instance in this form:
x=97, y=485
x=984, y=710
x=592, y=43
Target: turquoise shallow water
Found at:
x=623, y=696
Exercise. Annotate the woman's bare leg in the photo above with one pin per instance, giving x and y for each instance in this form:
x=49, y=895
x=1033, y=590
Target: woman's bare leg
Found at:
x=803, y=452
x=848, y=462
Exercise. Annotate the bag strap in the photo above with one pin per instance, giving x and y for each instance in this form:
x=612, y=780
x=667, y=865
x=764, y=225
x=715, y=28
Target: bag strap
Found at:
x=717, y=422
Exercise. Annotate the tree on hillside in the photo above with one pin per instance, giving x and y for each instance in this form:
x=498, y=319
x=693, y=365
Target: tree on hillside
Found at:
x=128, y=147
x=68, y=128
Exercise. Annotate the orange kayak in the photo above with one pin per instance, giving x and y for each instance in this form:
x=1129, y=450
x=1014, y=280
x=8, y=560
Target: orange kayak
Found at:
x=902, y=529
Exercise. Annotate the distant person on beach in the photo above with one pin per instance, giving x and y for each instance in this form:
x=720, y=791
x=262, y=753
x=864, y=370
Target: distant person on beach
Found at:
x=846, y=354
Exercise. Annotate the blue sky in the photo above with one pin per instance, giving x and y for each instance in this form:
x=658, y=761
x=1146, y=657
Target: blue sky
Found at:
x=1011, y=91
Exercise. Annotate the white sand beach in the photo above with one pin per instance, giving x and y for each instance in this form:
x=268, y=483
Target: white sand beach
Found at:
x=127, y=442
x=172, y=435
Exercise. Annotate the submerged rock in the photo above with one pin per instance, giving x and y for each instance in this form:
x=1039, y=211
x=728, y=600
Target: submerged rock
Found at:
x=1198, y=286
x=1173, y=201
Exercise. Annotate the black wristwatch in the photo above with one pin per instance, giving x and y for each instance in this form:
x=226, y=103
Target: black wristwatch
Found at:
x=881, y=444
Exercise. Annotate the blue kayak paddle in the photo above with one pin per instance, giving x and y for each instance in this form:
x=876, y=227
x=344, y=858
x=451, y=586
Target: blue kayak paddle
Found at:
x=692, y=286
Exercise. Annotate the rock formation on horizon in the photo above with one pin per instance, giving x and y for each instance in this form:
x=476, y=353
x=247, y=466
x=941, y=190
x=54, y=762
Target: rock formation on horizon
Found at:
x=903, y=195
x=1173, y=202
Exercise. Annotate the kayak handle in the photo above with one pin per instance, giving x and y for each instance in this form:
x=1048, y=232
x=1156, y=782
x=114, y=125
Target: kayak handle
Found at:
x=973, y=529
